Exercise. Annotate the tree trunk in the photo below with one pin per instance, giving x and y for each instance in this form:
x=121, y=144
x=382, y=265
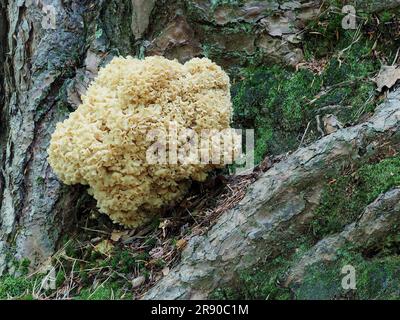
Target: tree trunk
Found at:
x=45, y=66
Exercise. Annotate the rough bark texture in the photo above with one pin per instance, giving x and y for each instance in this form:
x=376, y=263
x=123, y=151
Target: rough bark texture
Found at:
x=277, y=208
x=36, y=66
x=43, y=67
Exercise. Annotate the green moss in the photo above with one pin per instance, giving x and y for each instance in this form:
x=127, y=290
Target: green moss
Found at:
x=217, y=3
x=14, y=287
x=263, y=281
x=326, y=35
x=24, y=264
x=342, y=202
x=344, y=199
x=19, y=267
x=379, y=279
x=264, y=137
x=347, y=79
x=124, y=261
x=352, y=65
x=274, y=102
x=260, y=283
x=354, y=57
x=375, y=278
x=322, y=37
x=104, y=292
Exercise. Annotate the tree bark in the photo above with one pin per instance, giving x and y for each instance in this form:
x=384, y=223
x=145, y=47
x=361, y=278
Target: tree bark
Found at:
x=34, y=72
x=277, y=209
x=44, y=70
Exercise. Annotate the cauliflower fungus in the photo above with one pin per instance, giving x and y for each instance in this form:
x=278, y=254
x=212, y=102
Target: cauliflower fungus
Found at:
x=104, y=143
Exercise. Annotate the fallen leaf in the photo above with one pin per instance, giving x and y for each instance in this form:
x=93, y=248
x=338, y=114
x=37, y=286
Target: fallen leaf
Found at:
x=165, y=271
x=137, y=282
x=104, y=247
x=181, y=244
x=116, y=235
x=387, y=77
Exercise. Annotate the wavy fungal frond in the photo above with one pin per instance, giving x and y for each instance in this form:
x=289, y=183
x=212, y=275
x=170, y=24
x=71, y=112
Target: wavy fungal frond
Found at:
x=103, y=144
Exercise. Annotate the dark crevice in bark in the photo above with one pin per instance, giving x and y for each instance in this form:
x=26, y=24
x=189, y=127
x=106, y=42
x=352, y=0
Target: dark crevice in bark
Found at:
x=114, y=21
x=3, y=52
x=163, y=13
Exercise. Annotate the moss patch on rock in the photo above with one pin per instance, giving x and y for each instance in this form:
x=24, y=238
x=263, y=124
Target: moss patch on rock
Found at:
x=274, y=102
x=264, y=281
x=280, y=102
x=345, y=197
x=374, y=278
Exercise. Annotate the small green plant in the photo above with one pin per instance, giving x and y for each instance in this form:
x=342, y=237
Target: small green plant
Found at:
x=14, y=287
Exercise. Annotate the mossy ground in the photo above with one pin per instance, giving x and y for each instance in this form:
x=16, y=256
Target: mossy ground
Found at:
x=103, y=261
x=273, y=101
x=376, y=278
x=279, y=103
x=263, y=282
x=20, y=285
x=94, y=275
x=15, y=288
x=345, y=197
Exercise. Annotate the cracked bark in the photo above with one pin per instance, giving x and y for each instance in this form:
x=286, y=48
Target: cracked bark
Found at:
x=34, y=72
x=41, y=70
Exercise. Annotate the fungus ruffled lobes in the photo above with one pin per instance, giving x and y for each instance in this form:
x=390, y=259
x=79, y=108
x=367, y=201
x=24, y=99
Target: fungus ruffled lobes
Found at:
x=103, y=143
